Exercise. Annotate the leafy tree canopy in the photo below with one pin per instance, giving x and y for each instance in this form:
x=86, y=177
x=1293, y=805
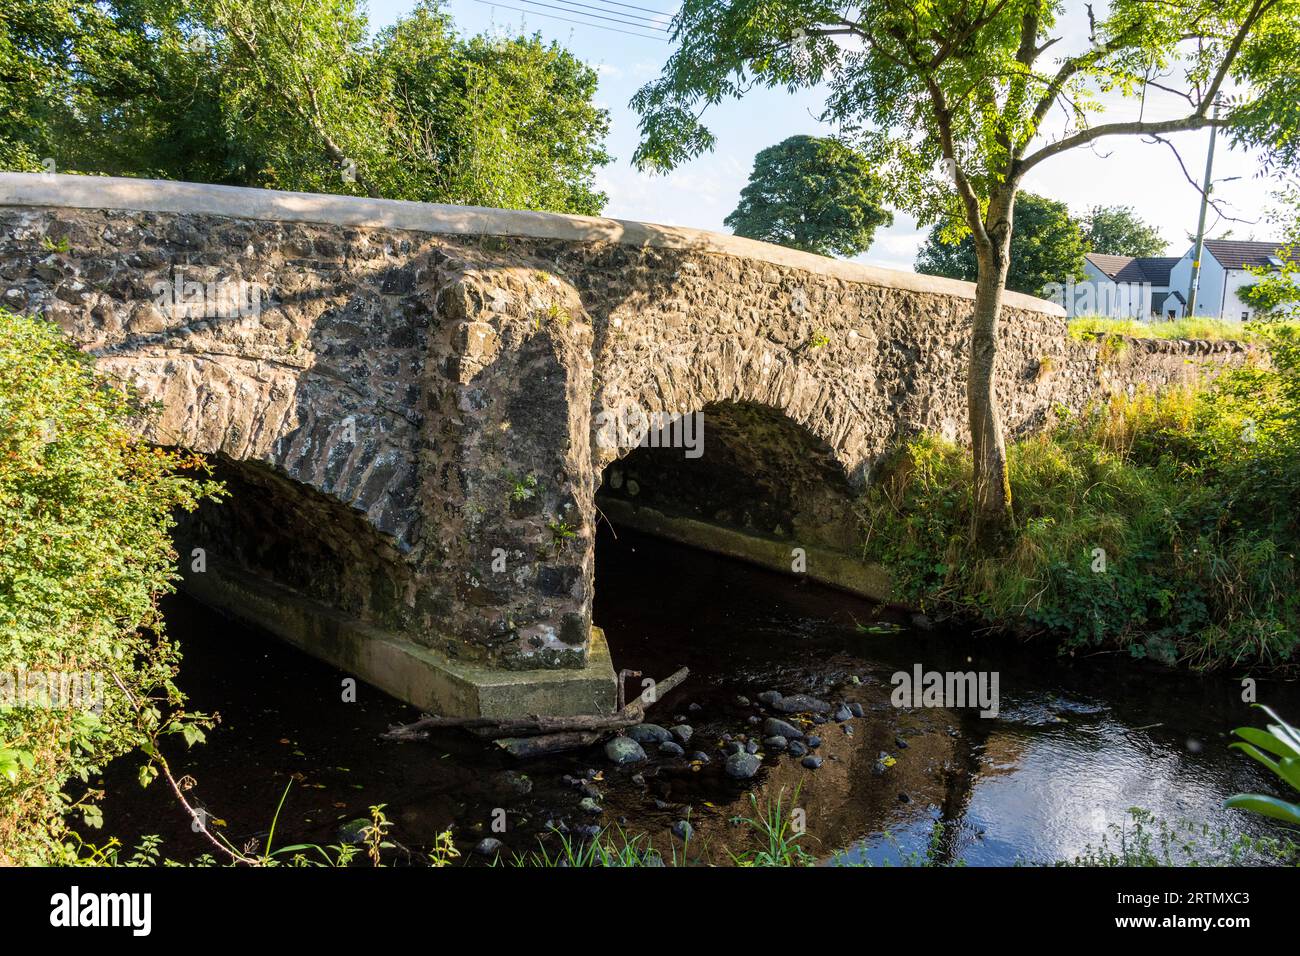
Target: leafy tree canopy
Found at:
x=1047, y=245
x=293, y=94
x=814, y=194
x=1117, y=231
x=956, y=101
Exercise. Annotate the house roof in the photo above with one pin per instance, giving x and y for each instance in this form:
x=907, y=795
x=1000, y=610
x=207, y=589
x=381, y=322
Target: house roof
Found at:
x=1240, y=254
x=1152, y=269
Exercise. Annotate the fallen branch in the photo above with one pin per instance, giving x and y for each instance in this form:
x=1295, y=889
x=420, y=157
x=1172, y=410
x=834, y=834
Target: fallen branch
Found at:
x=539, y=728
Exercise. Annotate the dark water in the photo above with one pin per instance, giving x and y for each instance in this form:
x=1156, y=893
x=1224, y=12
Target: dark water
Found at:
x=1075, y=745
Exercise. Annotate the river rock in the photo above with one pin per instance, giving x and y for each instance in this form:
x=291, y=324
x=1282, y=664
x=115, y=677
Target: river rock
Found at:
x=773, y=727
x=683, y=830
x=742, y=766
x=489, y=846
x=801, y=703
x=842, y=713
x=701, y=756
x=797, y=749
x=811, y=762
x=683, y=733
x=670, y=748
x=777, y=743
x=770, y=698
x=751, y=746
x=588, y=805
x=814, y=742
x=624, y=750
x=353, y=832
x=510, y=783
x=857, y=709
x=648, y=734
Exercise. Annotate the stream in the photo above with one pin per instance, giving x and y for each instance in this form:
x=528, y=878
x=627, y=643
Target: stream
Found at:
x=1075, y=744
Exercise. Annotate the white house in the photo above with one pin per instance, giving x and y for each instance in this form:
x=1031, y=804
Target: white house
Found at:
x=1119, y=287
x=1125, y=287
x=1224, y=265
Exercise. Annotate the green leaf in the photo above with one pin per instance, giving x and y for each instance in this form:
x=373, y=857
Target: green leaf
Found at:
x=1268, y=806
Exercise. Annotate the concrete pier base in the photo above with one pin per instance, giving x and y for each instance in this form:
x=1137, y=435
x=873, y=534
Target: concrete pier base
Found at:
x=399, y=666
x=844, y=571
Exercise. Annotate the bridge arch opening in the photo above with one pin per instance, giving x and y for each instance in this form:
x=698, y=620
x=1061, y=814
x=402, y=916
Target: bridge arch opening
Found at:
x=759, y=487
x=291, y=559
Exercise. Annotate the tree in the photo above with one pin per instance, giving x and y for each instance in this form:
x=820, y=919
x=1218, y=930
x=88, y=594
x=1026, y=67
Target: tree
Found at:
x=294, y=94
x=1117, y=231
x=1276, y=293
x=1047, y=245
x=955, y=101
x=814, y=194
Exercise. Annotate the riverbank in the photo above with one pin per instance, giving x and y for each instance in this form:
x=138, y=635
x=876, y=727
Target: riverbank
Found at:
x=1158, y=525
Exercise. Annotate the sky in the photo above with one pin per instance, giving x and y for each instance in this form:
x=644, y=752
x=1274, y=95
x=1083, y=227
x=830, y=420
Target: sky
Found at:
x=700, y=194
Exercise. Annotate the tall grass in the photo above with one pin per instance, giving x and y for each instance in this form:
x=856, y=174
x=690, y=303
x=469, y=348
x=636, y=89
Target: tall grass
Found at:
x=1163, y=525
x=1093, y=326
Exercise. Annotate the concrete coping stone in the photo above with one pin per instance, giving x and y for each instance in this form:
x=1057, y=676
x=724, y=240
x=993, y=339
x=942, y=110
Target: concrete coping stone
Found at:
x=238, y=202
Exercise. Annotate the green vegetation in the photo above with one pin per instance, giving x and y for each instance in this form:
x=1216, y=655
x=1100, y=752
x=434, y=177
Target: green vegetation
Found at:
x=1278, y=749
x=297, y=95
x=1118, y=231
x=957, y=106
x=1047, y=245
x=1215, y=330
x=85, y=551
x=1146, y=840
x=1164, y=526
x=774, y=825
x=814, y=194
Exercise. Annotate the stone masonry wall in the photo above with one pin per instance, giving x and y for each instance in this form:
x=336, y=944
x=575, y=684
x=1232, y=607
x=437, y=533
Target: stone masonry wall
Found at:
x=440, y=390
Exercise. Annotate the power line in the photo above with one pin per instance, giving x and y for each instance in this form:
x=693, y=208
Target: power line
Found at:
x=579, y=13
x=630, y=6
x=631, y=16
x=584, y=23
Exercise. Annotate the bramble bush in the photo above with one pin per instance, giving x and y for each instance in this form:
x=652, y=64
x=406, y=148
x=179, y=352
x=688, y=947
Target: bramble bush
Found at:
x=1164, y=525
x=85, y=552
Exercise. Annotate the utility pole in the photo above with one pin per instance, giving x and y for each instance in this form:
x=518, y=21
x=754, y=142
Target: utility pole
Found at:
x=1200, y=226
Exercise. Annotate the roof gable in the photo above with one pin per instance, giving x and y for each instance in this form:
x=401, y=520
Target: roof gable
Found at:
x=1152, y=269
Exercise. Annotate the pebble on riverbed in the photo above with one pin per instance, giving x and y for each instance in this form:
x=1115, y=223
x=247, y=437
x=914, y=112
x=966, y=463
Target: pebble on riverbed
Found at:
x=772, y=727
x=742, y=765
x=624, y=750
x=648, y=734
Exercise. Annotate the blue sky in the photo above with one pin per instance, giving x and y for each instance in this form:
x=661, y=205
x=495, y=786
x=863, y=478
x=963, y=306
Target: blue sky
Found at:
x=701, y=193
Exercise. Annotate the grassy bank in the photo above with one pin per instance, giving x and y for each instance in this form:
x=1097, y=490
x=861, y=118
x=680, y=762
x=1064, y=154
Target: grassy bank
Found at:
x=1164, y=526
x=1087, y=327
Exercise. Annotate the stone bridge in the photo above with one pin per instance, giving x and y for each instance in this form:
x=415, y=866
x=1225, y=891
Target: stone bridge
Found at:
x=409, y=403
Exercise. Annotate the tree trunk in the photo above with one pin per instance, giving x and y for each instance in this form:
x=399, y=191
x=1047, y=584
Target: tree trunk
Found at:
x=991, y=517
